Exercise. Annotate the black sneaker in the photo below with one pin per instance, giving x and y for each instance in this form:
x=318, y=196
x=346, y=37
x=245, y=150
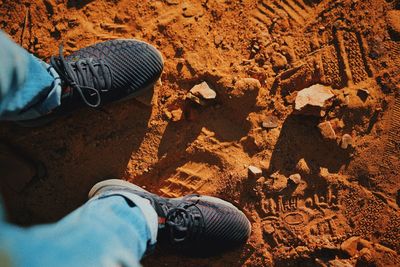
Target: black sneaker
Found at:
x=200, y=225
x=104, y=73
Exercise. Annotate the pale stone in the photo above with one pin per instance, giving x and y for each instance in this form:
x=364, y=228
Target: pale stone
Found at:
x=176, y=114
x=254, y=172
x=313, y=100
x=244, y=85
x=204, y=91
x=295, y=178
x=270, y=122
x=327, y=130
x=347, y=141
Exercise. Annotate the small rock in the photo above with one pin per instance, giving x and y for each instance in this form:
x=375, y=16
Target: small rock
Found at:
x=301, y=186
x=245, y=85
x=270, y=122
x=254, y=172
x=302, y=167
x=176, y=115
x=202, y=94
x=172, y=2
x=363, y=94
x=278, y=61
x=218, y=40
x=268, y=229
x=204, y=91
x=327, y=131
x=168, y=114
x=277, y=183
x=295, y=178
x=347, y=141
x=350, y=245
x=313, y=100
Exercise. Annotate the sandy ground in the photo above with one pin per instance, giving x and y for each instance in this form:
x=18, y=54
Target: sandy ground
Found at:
x=315, y=203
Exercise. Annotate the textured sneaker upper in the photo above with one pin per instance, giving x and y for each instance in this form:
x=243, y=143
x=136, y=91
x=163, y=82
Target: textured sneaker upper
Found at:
x=224, y=227
x=132, y=65
x=195, y=224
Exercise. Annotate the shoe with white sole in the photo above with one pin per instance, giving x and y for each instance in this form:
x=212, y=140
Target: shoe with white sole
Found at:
x=193, y=223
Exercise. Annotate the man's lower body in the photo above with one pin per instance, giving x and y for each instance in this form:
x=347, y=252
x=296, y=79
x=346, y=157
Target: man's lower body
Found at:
x=121, y=221
x=103, y=232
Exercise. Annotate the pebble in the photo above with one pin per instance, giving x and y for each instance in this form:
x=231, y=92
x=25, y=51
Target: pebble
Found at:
x=176, y=115
x=313, y=100
x=347, y=141
x=204, y=91
x=350, y=245
x=247, y=84
x=172, y=2
x=302, y=167
x=218, y=40
x=202, y=94
x=279, y=182
x=168, y=114
x=278, y=61
x=254, y=172
x=295, y=178
x=270, y=122
x=327, y=130
x=268, y=229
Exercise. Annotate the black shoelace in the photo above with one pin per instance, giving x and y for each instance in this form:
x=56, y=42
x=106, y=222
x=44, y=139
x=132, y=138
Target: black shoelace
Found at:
x=181, y=222
x=75, y=75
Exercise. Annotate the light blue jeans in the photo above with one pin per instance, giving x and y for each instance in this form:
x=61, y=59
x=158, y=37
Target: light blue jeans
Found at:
x=103, y=232
x=29, y=88
x=109, y=230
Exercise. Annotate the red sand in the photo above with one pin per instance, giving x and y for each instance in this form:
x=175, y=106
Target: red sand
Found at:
x=287, y=46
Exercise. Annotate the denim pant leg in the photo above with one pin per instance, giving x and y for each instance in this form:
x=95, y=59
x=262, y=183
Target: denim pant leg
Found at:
x=29, y=88
x=105, y=231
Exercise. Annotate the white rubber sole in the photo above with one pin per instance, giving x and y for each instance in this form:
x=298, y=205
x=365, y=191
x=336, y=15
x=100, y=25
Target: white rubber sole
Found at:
x=113, y=182
x=116, y=182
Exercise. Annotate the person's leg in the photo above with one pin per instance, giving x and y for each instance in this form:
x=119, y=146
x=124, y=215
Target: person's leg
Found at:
x=29, y=88
x=106, y=231
x=92, y=76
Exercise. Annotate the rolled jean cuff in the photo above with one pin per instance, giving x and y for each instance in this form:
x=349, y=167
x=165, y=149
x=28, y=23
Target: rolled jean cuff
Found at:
x=145, y=207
